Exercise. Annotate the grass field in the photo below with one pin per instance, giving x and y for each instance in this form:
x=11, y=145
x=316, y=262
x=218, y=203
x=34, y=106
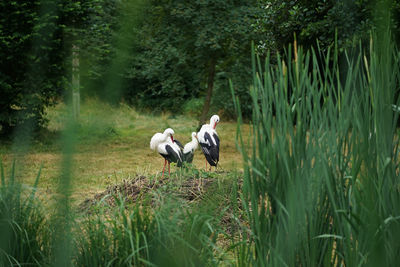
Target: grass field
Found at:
x=113, y=144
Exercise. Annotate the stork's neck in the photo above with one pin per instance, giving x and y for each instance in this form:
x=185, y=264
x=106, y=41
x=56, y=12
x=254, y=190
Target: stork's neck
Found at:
x=194, y=143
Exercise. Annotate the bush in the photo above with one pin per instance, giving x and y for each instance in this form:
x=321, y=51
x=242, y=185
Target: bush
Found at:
x=193, y=107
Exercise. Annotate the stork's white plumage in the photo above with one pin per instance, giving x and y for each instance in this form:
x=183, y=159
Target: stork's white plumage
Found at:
x=160, y=138
x=175, y=155
x=188, y=150
x=209, y=141
x=165, y=145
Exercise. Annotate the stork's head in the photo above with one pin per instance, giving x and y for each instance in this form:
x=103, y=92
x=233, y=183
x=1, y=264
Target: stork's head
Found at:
x=194, y=136
x=169, y=133
x=214, y=120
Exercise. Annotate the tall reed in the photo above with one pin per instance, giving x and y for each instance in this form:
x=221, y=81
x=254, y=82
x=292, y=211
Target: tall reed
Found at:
x=24, y=235
x=321, y=182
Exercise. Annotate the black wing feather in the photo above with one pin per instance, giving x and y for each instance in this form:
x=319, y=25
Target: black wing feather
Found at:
x=178, y=143
x=172, y=156
x=211, y=151
x=217, y=144
x=188, y=157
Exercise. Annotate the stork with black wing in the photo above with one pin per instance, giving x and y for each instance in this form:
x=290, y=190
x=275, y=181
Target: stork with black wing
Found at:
x=209, y=141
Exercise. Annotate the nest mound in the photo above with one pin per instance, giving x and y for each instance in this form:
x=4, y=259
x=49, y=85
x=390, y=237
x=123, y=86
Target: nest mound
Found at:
x=135, y=188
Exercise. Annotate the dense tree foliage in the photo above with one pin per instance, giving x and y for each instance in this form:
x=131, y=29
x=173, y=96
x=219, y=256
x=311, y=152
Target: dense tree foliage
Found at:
x=95, y=35
x=32, y=66
x=36, y=38
x=161, y=55
x=312, y=21
x=186, y=45
x=316, y=20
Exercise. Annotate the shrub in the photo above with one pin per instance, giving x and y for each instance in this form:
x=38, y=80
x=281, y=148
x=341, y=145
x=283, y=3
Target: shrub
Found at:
x=193, y=107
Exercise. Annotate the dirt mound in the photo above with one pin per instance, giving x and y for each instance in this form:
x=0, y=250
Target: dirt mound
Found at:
x=139, y=186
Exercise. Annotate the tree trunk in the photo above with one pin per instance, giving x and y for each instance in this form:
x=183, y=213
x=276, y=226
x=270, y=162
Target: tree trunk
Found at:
x=76, y=97
x=210, y=86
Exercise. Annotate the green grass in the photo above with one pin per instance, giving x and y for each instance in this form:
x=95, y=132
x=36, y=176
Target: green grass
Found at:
x=161, y=229
x=25, y=237
x=112, y=144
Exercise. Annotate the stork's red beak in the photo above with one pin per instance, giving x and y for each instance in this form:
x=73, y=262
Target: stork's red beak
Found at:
x=172, y=138
x=215, y=125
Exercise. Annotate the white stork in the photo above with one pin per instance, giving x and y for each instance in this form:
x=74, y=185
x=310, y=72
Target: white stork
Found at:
x=188, y=150
x=209, y=141
x=167, y=147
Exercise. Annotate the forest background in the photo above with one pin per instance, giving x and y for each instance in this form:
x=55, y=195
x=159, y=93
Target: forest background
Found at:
x=175, y=56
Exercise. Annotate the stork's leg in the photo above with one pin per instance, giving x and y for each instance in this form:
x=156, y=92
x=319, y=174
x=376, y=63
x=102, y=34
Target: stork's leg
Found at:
x=165, y=163
x=206, y=164
x=169, y=171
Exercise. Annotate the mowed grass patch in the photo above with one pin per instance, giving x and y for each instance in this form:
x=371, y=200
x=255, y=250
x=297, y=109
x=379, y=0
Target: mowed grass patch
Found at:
x=112, y=145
